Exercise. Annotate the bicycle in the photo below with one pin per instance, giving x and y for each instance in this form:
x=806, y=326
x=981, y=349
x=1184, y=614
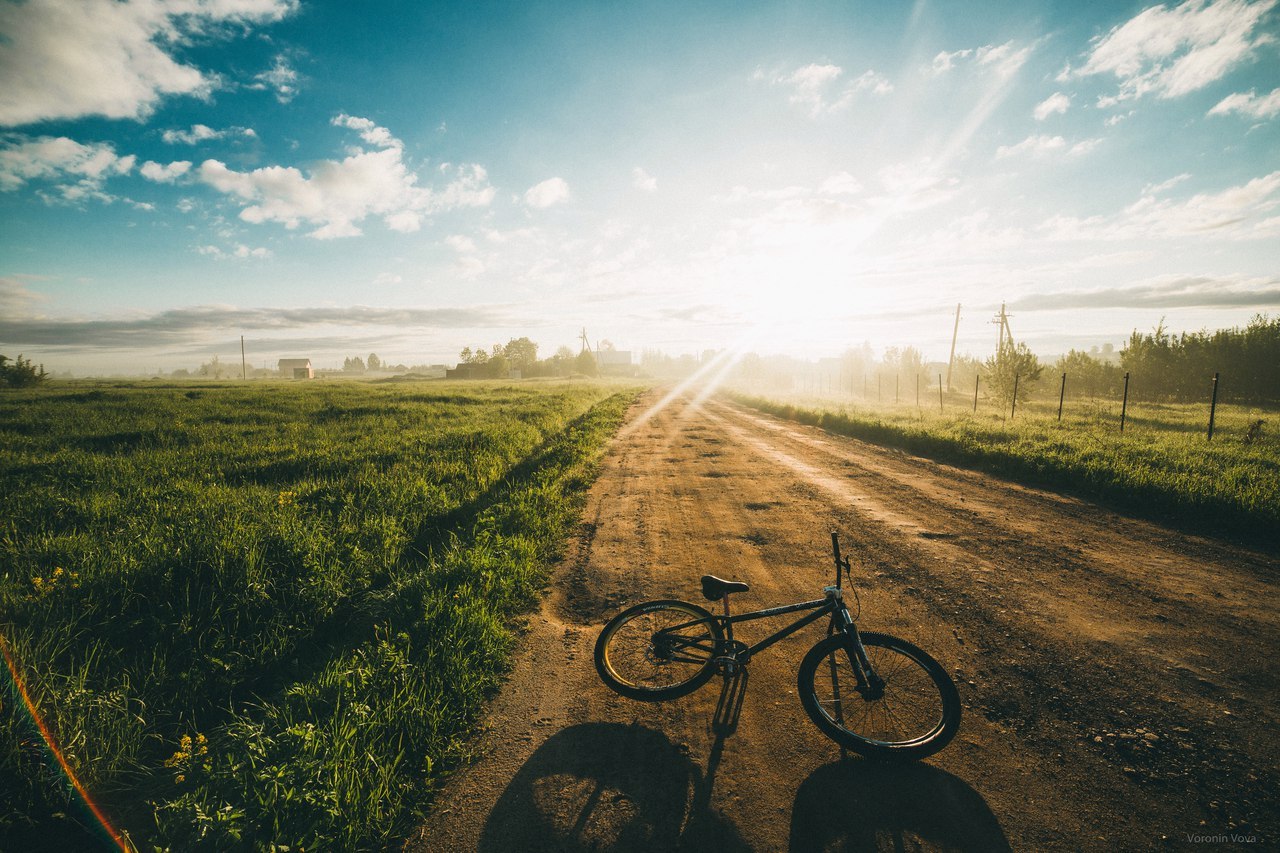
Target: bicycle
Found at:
x=877, y=695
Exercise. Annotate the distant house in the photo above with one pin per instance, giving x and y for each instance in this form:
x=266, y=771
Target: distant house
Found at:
x=297, y=368
x=615, y=362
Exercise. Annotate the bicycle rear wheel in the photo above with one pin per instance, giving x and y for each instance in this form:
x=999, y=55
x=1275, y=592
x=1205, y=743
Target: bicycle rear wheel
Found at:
x=916, y=714
x=658, y=650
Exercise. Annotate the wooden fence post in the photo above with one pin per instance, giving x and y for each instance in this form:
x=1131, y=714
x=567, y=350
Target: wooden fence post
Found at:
x=1124, y=404
x=1062, y=394
x=975, y=393
x=1013, y=411
x=1213, y=405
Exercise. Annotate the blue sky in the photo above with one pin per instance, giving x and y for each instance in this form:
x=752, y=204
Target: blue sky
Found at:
x=330, y=179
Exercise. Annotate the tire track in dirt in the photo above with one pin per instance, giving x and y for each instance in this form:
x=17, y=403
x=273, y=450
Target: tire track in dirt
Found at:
x=1033, y=601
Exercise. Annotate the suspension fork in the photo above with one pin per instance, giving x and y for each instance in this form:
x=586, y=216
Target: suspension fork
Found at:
x=870, y=684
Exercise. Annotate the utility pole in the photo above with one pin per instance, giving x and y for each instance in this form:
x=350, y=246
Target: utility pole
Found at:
x=1002, y=320
x=952, y=359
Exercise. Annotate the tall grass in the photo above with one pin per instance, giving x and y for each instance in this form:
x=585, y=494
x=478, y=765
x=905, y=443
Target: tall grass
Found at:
x=269, y=614
x=1162, y=466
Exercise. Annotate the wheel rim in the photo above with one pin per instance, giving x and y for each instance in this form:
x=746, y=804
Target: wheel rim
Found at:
x=637, y=656
x=908, y=711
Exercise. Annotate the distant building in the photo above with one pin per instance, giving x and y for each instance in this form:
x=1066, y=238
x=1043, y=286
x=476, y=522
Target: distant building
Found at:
x=615, y=362
x=296, y=368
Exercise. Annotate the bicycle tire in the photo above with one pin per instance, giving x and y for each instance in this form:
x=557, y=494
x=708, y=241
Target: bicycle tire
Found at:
x=918, y=714
x=632, y=664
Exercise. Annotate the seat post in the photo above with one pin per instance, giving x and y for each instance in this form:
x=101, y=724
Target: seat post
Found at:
x=728, y=626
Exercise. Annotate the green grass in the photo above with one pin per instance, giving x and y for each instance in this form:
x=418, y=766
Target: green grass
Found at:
x=314, y=585
x=1160, y=467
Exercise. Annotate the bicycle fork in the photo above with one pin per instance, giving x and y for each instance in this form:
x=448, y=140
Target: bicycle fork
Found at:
x=869, y=683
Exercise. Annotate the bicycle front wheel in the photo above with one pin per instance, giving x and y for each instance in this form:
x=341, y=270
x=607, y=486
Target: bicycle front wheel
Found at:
x=915, y=713
x=658, y=650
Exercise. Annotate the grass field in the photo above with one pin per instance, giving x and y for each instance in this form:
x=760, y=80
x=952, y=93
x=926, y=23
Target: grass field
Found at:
x=1161, y=466
x=269, y=613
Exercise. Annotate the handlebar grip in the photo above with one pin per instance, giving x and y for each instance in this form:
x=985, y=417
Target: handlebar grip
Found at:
x=835, y=545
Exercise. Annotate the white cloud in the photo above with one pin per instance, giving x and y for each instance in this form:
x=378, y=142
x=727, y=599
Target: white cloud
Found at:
x=841, y=183
x=549, y=192
x=280, y=77
x=239, y=251
x=197, y=133
x=15, y=298
x=916, y=185
x=337, y=195
x=1170, y=52
x=642, y=180
x=404, y=221
x=154, y=171
x=61, y=159
x=200, y=132
x=816, y=87
x=109, y=58
x=1055, y=103
x=1043, y=146
x=1164, y=186
x=1250, y=104
x=945, y=61
x=369, y=132
x=459, y=243
x=1005, y=59
x=1237, y=212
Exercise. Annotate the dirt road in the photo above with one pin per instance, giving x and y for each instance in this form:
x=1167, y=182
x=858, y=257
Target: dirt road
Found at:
x=1119, y=680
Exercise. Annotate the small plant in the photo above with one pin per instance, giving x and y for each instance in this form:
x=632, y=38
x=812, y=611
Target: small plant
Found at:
x=58, y=579
x=1254, y=432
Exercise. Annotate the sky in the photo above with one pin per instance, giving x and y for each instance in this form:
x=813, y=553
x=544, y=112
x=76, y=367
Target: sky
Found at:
x=330, y=179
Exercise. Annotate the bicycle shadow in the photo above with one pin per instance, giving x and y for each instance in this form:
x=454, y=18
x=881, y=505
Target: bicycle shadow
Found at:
x=607, y=786
x=858, y=805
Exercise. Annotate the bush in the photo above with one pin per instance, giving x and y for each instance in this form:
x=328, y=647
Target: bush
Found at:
x=20, y=373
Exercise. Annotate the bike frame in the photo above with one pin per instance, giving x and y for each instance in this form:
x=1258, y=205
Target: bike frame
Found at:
x=832, y=605
x=734, y=653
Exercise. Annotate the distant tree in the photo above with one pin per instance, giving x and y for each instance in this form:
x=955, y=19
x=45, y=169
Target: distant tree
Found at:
x=1013, y=365
x=522, y=353
x=585, y=363
x=355, y=364
x=964, y=370
x=213, y=367
x=373, y=362
x=1089, y=375
x=20, y=373
x=906, y=362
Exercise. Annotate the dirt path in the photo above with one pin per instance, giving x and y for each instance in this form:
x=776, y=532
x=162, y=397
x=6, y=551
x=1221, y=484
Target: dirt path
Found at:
x=1119, y=680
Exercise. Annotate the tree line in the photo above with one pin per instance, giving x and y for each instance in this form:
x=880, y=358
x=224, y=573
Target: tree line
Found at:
x=521, y=354
x=1160, y=366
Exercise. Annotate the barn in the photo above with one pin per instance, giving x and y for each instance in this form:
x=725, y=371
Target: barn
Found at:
x=297, y=368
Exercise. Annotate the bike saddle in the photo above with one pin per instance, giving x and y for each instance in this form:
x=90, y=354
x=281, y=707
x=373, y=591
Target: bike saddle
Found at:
x=715, y=588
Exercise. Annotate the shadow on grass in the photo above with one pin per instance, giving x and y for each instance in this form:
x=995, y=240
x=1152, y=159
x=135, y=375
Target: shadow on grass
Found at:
x=607, y=786
x=860, y=805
